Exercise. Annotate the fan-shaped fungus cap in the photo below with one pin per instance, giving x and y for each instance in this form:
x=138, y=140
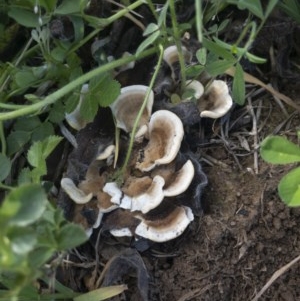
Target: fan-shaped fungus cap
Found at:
x=196, y=87
x=108, y=151
x=74, y=119
x=165, y=136
x=104, y=202
x=164, y=229
x=76, y=194
x=181, y=180
x=126, y=107
x=216, y=101
x=172, y=59
x=114, y=191
x=143, y=194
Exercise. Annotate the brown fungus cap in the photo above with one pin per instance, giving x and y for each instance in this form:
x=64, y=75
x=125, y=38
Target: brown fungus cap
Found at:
x=126, y=108
x=161, y=229
x=165, y=136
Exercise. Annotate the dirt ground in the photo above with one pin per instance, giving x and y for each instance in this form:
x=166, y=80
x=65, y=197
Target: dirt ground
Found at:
x=245, y=233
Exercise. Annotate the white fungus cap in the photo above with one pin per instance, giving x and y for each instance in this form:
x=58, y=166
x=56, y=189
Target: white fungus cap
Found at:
x=216, y=101
x=169, y=228
x=76, y=194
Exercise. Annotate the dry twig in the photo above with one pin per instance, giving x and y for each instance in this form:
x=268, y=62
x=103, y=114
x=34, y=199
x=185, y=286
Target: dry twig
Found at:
x=274, y=277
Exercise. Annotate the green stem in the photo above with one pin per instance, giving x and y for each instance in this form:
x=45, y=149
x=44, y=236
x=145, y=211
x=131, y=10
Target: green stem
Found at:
x=2, y=139
x=52, y=98
x=138, y=117
x=178, y=43
x=199, y=16
x=5, y=187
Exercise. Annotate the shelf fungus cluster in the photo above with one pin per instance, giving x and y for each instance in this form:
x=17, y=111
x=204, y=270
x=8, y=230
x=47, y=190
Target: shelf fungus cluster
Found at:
x=154, y=198
x=213, y=101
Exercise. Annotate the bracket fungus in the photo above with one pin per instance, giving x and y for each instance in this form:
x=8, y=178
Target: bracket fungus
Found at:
x=147, y=202
x=167, y=228
x=126, y=107
x=171, y=57
x=216, y=101
x=165, y=136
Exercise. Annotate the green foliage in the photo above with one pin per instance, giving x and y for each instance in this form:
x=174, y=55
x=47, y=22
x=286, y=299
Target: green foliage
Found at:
x=279, y=150
x=291, y=8
x=103, y=90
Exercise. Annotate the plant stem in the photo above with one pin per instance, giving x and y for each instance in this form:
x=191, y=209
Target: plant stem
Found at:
x=199, y=16
x=178, y=43
x=6, y=187
x=52, y=98
x=2, y=139
x=139, y=115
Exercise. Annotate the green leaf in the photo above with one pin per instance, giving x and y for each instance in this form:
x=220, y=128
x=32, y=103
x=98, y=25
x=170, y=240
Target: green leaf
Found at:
x=270, y=7
x=89, y=107
x=40, y=150
x=68, y=7
x=27, y=123
x=39, y=256
x=103, y=90
x=102, y=293
x=148, y=41
x=70, y=236
x=22, y=240
x=254, y=6
x=254, y=58
x=201, y=55
x=109, y=91
x=57, y=113
x=24, y=176
x=150, y=29
x=238, y=87
x=218, y=67
x=218, y=49
x=43, y=131
x=24, y=78
x=23, y=205
x=194, y=70
x=279, y=150
x=289, y=188
x=5, y=167
x=24, y=17
x=16, y=141
x=163, y=15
